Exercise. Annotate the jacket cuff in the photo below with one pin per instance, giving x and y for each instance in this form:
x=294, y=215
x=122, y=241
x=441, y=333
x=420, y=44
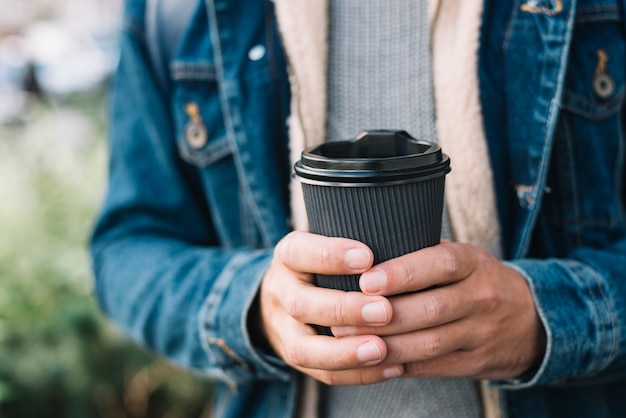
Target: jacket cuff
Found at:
x=579, y=320
x=223, y=322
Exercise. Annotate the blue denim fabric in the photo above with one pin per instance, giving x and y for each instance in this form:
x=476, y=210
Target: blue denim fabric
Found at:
x=186, y=233
x=187, y=229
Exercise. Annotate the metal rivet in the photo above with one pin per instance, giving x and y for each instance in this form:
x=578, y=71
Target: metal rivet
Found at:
x=256, y=53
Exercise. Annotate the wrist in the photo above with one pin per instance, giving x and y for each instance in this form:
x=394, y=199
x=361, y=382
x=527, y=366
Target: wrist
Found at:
x=254, y=324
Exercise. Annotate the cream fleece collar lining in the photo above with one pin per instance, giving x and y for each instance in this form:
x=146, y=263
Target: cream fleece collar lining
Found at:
x=469, y=187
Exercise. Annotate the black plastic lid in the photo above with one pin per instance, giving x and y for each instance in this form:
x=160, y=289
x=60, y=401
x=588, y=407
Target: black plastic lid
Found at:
x=372, y=158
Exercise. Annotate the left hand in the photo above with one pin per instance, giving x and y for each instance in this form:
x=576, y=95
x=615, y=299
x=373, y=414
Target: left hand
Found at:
x=457, y=312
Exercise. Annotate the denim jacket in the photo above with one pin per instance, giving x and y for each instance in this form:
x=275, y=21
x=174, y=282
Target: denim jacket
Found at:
x=198, y=196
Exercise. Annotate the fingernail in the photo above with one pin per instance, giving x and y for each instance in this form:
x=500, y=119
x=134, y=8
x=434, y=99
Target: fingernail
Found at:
x=373, y=281
x=368, y=352
x=375, y=313
x=392, y=372
x=358, y=258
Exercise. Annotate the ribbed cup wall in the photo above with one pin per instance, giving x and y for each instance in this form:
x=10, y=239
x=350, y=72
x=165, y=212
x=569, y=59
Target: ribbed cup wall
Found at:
x=392, y=220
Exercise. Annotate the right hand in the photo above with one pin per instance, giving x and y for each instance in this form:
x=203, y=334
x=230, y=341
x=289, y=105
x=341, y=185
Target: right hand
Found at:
x=290, y=301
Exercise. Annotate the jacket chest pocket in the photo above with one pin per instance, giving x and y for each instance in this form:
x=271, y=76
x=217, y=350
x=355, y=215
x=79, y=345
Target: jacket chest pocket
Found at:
x=200, y=131
x=586, y=166
x=594, y=84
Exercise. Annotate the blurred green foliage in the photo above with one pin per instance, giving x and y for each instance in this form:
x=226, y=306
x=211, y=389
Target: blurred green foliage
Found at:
x=58, y=356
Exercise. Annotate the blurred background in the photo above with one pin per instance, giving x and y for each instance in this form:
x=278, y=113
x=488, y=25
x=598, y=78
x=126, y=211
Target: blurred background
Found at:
x=58, y=356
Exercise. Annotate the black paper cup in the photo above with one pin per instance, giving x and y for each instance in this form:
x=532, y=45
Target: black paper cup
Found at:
x=383, y=188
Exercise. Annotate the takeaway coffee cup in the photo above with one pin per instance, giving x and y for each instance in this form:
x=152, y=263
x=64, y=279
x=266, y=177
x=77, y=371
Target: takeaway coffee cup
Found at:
x=384, y=188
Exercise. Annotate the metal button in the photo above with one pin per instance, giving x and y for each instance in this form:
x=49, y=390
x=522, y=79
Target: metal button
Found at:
x=603, y=84
x=256, y=53
x=196, y=133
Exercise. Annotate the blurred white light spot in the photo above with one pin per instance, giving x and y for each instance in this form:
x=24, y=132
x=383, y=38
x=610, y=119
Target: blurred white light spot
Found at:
x=256, y=53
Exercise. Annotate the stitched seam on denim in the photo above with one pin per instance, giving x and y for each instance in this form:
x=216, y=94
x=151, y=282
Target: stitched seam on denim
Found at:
x=194, y=71
x=553, y=114
x=205, y=325
x=210, y=307
x=549, y=131
x=573, y=102
x=509, y=29
x=603, y=315
x=229, y=122
x=583, y=11
x=596, y=360
x=206, y=156
x=615, y=101
x=595, y=13
x=192, y=76
x=599, y=18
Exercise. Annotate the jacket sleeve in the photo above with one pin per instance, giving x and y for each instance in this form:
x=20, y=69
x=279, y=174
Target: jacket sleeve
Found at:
x=160, y=272
x=582, y=303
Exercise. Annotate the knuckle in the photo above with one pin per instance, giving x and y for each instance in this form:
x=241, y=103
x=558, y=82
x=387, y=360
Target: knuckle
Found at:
x=490, y=297
x=415, y=368
x=324, y=257
x=293, y=305
x=477, y=366
x=482, y=255
x=406, y=271
x=362, y=379
x=293, y=355
x=339, y=312
x=282, y=250
x=435, y=309
x=450, y=259
x=341, y=359
x=431, y=345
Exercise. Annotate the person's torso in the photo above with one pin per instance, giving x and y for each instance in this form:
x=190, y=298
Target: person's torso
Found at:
x=229, y=79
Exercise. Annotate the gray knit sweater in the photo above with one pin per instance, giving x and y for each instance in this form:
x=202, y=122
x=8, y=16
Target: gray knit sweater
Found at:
x=380, y=77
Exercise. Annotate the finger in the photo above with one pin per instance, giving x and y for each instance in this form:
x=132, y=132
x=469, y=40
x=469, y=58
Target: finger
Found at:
x=313, y=305
x=419, y=310
x=456, y=364
x=331, y=360
x=304, y=252
x=427, y=344
x=433, y=266
x=363, y=376
x=333, y=354
x=461, y=363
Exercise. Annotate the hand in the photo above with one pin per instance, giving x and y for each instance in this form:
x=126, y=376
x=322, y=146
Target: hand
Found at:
x=472, y=316
x=289, y=301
